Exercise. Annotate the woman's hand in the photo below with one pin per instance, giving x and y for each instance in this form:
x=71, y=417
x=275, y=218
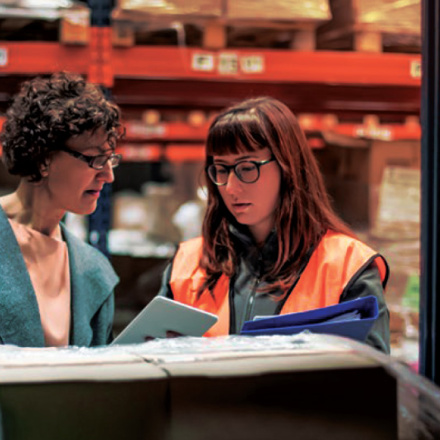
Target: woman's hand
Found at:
x=170, y=334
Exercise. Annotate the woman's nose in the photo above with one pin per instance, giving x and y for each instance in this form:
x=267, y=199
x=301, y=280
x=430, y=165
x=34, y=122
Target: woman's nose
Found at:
x=106, y=174
x=233, y=184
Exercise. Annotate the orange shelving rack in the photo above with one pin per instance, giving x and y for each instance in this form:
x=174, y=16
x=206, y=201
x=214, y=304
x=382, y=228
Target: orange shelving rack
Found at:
x=197, y=78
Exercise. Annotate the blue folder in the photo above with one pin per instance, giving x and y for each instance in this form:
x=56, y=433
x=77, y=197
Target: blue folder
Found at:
x=352, y=319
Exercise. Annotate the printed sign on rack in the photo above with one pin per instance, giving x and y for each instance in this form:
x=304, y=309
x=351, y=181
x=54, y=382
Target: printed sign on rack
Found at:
x=140, y=153
x=252, y=64
x=143, y=131
x=3, y=56
x=416, y=69
x=203, y=62
x=228, y=63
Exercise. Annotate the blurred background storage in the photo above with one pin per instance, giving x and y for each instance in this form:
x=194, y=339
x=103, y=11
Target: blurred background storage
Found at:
x=354, y=169
x=349, y=69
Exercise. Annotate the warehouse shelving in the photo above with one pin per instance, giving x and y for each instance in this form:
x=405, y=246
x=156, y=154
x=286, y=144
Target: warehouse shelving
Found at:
x=189, y=78
x=173, y=77
x=315, y=84
x=343, y=68
x=181, y=141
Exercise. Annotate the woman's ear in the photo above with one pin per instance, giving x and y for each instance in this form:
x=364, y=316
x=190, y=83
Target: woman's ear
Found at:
x=44, y=169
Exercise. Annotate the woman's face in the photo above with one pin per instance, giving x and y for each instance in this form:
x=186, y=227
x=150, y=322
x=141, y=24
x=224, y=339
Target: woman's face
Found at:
x=252, y=204
x=70, y=183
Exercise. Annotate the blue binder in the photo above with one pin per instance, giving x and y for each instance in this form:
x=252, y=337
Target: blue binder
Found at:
x=352, y=319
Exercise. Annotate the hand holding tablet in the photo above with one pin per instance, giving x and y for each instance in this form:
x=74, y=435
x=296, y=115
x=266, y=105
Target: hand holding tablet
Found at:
x=164, y=315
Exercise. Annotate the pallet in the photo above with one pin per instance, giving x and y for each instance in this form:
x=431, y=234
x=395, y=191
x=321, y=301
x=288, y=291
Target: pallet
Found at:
x=366, y=38
x=219, y=24
x=68, y=27
x=372, y=26
x=28, y=29
x=213, y=29
x=298, y=35
x=217, y=34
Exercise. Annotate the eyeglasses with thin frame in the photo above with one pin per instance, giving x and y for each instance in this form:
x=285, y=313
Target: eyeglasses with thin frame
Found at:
x=97, y=162
x=248, y=171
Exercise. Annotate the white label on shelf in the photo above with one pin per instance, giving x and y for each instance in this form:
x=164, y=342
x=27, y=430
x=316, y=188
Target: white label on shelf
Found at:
x=252, y=64
x=142, y=130
x=203, y=62
x=374, y=133
x=228, y=63
x=3, y=56
x=416, y=69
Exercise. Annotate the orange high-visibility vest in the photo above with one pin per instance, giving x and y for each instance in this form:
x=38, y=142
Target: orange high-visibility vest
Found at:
x=333, y=264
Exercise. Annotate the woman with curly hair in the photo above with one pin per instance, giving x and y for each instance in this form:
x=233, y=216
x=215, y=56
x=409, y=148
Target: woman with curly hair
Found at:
x=271, y=242
x=55, y=290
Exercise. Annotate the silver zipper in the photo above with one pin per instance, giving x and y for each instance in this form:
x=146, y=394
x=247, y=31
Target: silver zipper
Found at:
x=250, y=303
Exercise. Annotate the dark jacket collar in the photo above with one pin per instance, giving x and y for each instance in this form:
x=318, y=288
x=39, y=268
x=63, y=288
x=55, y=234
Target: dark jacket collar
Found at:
x=257, y=258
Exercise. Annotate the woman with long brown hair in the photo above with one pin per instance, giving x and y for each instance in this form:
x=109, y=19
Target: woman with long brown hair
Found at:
x=271, y=242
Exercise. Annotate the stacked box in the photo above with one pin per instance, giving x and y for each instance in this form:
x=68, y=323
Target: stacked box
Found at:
x=354, y=169
x=173, y=7
x=278, y=10
x=74, y=27
x=373, y=25
x=388, y=15
x=200, y=388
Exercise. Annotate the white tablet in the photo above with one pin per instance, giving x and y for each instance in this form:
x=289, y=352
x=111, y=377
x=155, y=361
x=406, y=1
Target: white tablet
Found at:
x=163, y=314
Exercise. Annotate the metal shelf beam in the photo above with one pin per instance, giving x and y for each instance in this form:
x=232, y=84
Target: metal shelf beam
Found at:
x=146, y=62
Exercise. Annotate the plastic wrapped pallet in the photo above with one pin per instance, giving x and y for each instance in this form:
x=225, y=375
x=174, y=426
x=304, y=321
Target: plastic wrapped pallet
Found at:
x=396, y=24
x=316, y=386
x=277, y=23
x=390, y=15
x=398, y=211
x=211, y=8
x=278, y=10
x=247, y=9
x=71, y=17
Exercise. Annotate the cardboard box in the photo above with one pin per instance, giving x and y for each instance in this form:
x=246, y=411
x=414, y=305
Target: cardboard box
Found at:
x=211, y=8
x=372, y=26
x=235, y=388
x=129, y=211
x=66, y=395
x=398, y=212
x=272, y=397
x=75, y=27
x=318, y=10
x=353, y=170
x=383, y=154
x=385, y=15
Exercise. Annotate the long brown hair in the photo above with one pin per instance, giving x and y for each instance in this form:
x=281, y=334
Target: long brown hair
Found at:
x=304, y=212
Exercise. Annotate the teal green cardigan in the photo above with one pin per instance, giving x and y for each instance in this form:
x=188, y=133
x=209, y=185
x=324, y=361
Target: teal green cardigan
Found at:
x=92, y=281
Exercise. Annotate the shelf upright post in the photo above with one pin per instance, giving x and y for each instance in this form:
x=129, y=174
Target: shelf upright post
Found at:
x=101, y=72
x=430, y=205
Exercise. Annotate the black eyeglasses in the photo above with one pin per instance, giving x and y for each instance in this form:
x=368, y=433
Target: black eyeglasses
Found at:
x=248, y=171
x=96, y=162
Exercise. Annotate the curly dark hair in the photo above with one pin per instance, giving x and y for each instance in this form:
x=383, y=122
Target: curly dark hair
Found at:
x=46, y=113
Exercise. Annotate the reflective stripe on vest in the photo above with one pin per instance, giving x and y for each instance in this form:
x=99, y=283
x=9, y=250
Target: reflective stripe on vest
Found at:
x=336, y=260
